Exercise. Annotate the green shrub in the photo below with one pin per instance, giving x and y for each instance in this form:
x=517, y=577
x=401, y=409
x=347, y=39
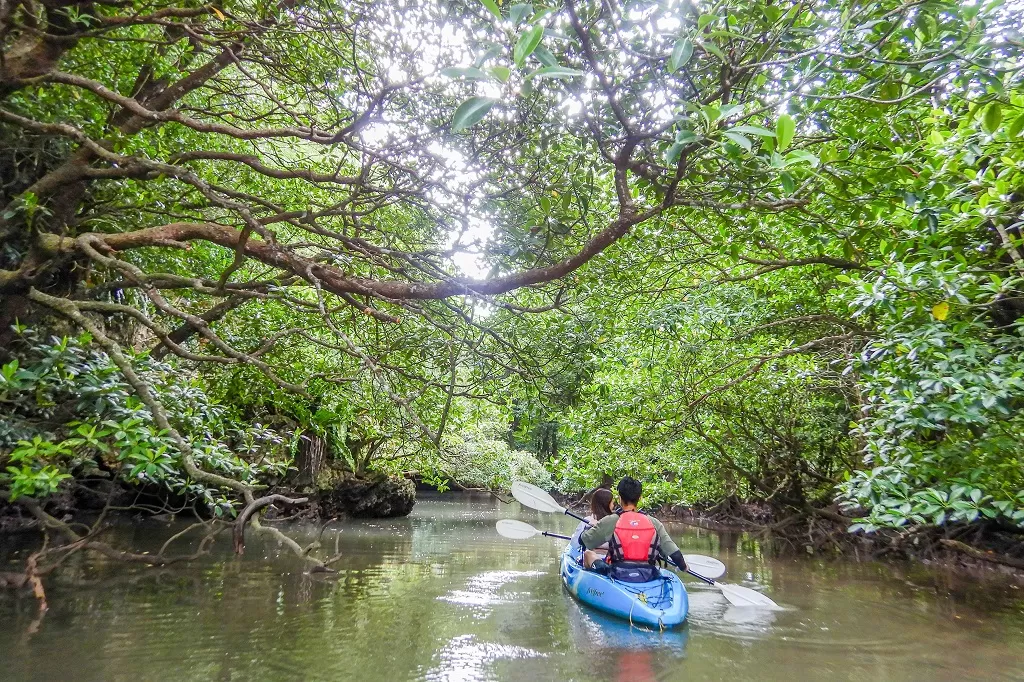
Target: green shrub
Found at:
x=68, y=410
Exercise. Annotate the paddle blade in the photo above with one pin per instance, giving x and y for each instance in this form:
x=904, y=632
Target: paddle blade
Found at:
x=533, y=497
x=744, y=596
x=515, y=530
x=707, y=566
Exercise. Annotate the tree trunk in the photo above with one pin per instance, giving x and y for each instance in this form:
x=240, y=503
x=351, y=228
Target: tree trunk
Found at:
x=310, y=458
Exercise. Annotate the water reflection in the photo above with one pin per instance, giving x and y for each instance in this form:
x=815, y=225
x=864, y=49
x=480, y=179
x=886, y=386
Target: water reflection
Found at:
x=439, y=596
x=482, y=590
x=596, y=633
x=464, y=659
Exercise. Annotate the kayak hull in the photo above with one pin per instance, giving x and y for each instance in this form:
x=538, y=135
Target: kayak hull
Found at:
x=659, y=603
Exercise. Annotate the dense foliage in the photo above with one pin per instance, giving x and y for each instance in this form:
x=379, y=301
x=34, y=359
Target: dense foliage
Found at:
x=68, y=408
x=741, y=249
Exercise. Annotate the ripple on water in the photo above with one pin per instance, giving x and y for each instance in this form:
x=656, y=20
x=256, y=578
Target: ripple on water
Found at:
x=464, y=659
x=713, y=614
x=482, y=590
x=594, y=632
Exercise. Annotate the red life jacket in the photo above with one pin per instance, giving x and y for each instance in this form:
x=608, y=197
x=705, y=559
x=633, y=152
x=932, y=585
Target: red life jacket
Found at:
x=634, y=539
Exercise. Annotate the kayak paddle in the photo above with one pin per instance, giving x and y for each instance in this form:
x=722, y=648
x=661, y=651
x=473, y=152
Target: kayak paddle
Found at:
x=536, y=498
x=533, y=497
x=708, y=566
x=518, y=530
x=737, y=595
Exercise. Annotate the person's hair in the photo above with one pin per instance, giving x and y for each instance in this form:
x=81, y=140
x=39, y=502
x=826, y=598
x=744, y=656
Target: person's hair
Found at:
x=629, y=490
x=601, y=503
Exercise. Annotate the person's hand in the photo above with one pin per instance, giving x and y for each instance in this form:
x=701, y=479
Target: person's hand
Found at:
x=678, y=560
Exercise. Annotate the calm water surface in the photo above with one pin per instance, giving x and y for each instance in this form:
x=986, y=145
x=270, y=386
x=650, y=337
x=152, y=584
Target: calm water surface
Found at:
x=439, y=596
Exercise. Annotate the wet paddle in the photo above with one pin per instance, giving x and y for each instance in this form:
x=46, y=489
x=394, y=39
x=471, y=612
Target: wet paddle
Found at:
x=536, y=498
x=533, y=497
x=737, y=595
x=518, y=530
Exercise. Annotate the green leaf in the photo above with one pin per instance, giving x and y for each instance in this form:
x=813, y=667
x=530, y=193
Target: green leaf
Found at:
x=992, y=118
x=673, y=153
x=686, y=136
x=727, y=110
x=490, y=53
x=801, y=156
x=540, y=14
x=714, y=49
x=502, y=73
x=1016, y=127
x=890, y=90
x=471, y=112
x=519, y=12
x=526, y=44
x=681, y=53
x=492, y=6
x=555, y=72
x=544, y=56
x=788, y=185
x=740, y=139
x=754, y=130
x=467, y=72
x=785, y=128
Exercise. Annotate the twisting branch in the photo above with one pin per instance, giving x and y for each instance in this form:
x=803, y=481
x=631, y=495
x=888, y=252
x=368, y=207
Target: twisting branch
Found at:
x=251, y=508
x=762, y=360
x=78, y=541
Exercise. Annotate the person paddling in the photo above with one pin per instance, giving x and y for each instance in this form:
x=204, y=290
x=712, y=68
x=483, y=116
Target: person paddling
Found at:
x=635, y=541
x=600, y=507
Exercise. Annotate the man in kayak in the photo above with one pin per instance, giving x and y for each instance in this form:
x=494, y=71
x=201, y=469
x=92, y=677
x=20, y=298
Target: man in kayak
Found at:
x=635, y=541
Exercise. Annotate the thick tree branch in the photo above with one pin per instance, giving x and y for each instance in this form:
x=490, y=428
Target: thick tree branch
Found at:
x=335, y=280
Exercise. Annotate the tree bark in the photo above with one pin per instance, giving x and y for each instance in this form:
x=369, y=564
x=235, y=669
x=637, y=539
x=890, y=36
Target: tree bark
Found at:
x=310, y=458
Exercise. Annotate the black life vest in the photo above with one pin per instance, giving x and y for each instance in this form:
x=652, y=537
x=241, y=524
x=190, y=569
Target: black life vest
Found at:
x=635, y=539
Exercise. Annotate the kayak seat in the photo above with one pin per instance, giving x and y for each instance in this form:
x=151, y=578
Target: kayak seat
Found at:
x=633, y=572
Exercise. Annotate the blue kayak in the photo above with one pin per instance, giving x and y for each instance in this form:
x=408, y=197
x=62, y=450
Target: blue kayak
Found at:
x=660, y=603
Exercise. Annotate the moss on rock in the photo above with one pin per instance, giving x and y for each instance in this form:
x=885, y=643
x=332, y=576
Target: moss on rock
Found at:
x=375, y=497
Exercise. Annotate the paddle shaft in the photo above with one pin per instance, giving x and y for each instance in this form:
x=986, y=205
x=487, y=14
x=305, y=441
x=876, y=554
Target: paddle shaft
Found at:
x=738, y=595
x=555, y=535
x=698, y=576
x=665, y=560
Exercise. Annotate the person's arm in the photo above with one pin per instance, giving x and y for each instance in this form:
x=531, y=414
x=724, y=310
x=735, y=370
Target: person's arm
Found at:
x=668, y=547
x=600, y=533
x=582, y=526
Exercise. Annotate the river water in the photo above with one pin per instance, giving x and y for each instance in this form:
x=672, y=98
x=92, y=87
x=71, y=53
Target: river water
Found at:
x=440, y=596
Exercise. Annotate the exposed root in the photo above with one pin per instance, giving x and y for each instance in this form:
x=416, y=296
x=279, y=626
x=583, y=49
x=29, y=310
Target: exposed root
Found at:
x=824, y=530
x=976, y=553
x=253, y=506
x=47, y=558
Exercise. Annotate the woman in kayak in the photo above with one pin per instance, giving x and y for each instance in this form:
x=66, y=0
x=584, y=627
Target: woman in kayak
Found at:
x=637, y=540
x=600, y=507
